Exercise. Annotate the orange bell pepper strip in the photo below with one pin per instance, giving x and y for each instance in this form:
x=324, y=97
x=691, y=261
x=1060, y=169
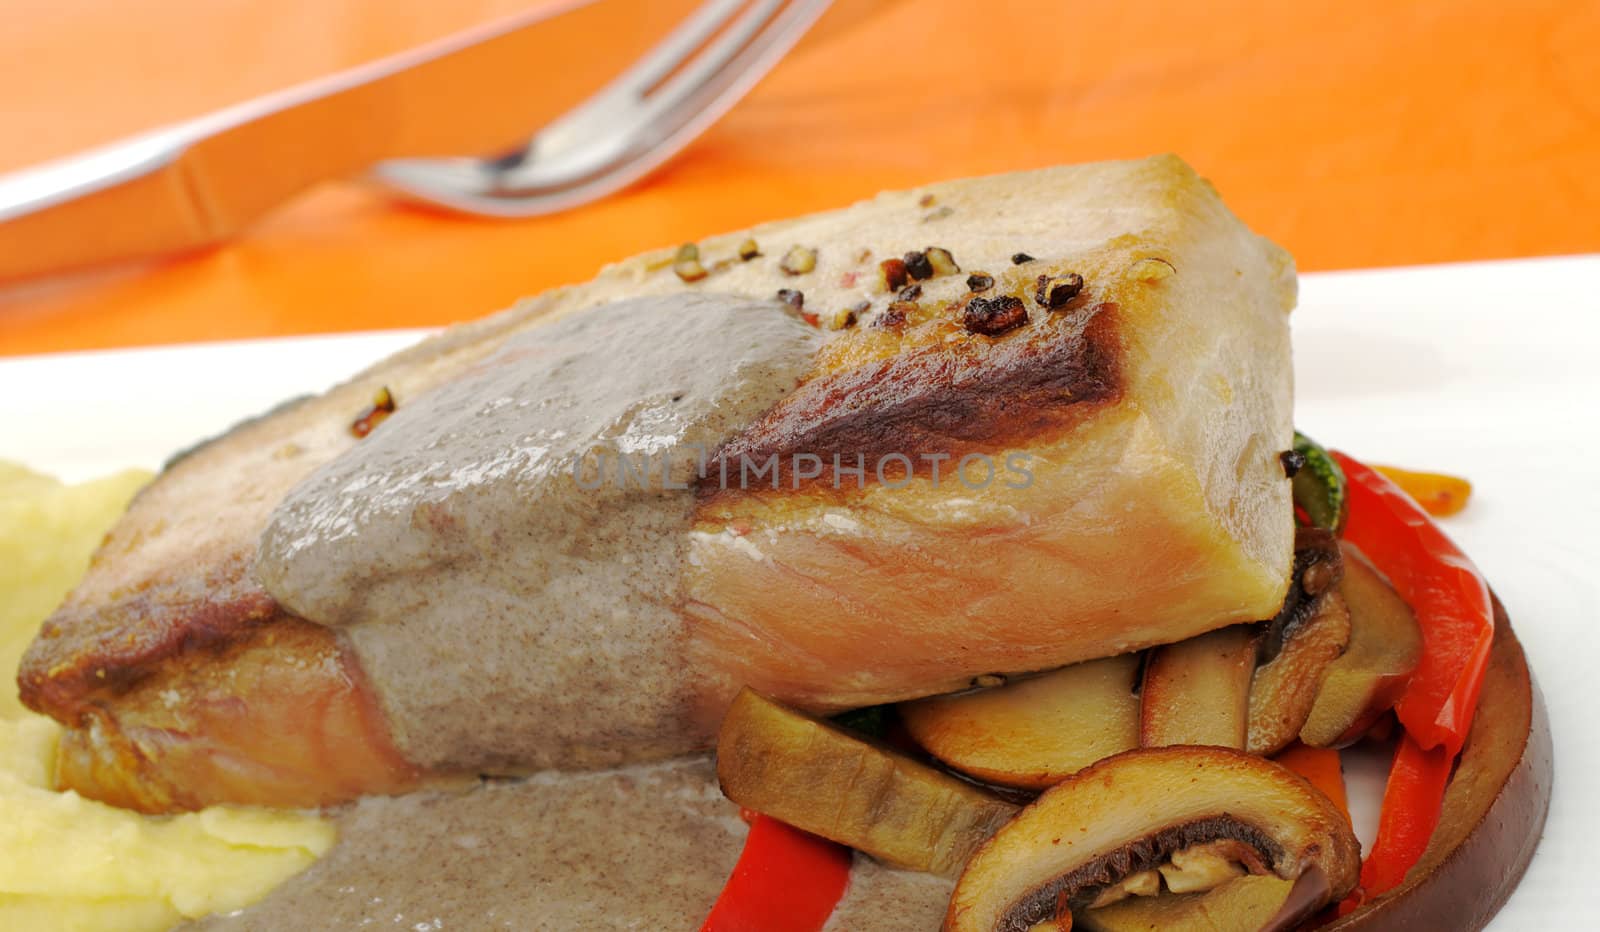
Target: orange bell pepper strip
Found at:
x=785, y=880
x=1321, y=768
x=1445, y=590
x=1439, y=495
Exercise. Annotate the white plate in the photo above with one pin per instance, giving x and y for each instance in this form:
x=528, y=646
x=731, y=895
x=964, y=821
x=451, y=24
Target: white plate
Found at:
x=1488, y=370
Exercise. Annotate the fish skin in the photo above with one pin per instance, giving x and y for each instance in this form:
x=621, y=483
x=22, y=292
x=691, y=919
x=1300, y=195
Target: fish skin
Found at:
x=1183, y=443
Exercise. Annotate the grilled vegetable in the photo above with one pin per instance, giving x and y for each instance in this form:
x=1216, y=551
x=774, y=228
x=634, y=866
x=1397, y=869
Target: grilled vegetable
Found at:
x=1412, y=798
x=820, y=778
x=786, y=881
x=1456, y=617
x=1034, y=732
x=1198, y=691
x=1301, y=643
x=1439, y=494
x=1319, y=485
x=1444, y=589
x=1385, y=647
x=1256, y=902
x=1131, y=813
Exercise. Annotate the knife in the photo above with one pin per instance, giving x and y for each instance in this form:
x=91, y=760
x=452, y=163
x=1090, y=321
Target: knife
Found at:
x=190, y=185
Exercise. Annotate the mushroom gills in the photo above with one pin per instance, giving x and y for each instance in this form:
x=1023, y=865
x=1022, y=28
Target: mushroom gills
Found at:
x=1198, y=691
x=1385, y=648
x=1035, y=732
x=827, y=781
x=1301, y=644
x=1130, y=813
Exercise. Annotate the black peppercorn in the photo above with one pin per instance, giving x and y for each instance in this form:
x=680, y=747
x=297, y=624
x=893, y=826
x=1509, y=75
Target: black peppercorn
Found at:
x=994, y=316
x=918, y=266
x=1293, y=461
x=1055, y=291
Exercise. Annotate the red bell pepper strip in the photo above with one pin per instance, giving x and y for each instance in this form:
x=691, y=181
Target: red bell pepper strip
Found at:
x=786, y=880
x=1412, y=800
x=1444, y=589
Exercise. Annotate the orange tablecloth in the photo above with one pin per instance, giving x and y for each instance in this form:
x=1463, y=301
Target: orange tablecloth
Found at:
x=1356, y=133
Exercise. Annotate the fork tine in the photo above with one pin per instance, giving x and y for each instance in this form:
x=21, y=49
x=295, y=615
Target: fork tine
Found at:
x=599, y=131
x=598, y=114
x=622, y=133
x=665, y=56
x=713, y=58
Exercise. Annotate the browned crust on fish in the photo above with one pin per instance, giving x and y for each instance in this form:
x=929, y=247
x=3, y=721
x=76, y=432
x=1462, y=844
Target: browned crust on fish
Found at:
x=69, y=662
x=278, y=714
x=952, y=393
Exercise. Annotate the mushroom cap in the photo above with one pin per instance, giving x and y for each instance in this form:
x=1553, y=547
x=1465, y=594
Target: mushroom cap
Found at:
x=1129, y=812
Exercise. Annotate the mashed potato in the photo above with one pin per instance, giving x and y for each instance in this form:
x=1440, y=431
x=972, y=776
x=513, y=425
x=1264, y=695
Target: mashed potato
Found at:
x=67, y=863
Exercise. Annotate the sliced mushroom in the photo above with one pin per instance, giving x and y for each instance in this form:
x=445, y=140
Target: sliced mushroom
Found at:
x=819, y=777
x=1300, y=645
x=1129, y=813
x=1034, y=732
x=1385, y=647
x=1198, y=691
x=1144, y=883
x=1266, y=902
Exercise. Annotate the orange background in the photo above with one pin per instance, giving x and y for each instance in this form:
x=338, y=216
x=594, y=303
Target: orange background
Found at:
x=1356, y=133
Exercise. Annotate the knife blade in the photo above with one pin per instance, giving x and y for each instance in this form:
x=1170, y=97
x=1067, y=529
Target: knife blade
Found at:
x=193, y=184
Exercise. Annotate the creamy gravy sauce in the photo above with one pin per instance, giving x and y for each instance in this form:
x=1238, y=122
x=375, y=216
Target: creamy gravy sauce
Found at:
x=880, y=899
x=509, y=618
x=642, y=847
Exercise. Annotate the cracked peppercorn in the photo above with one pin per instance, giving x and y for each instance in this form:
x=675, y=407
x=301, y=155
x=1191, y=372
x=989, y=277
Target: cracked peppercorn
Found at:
x=1293, y=461
x=994, y=316
x=1054, y=291
x=918, y=266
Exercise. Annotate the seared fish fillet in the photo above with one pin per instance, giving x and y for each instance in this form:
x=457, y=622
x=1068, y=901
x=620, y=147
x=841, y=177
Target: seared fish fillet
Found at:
x=1068, y=448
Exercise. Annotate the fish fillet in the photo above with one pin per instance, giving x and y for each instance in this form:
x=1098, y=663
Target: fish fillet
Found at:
x=1147, y=411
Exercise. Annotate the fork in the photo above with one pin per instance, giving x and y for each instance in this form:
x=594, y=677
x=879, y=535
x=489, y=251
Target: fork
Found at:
x=197, y=183
x=627, y=129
